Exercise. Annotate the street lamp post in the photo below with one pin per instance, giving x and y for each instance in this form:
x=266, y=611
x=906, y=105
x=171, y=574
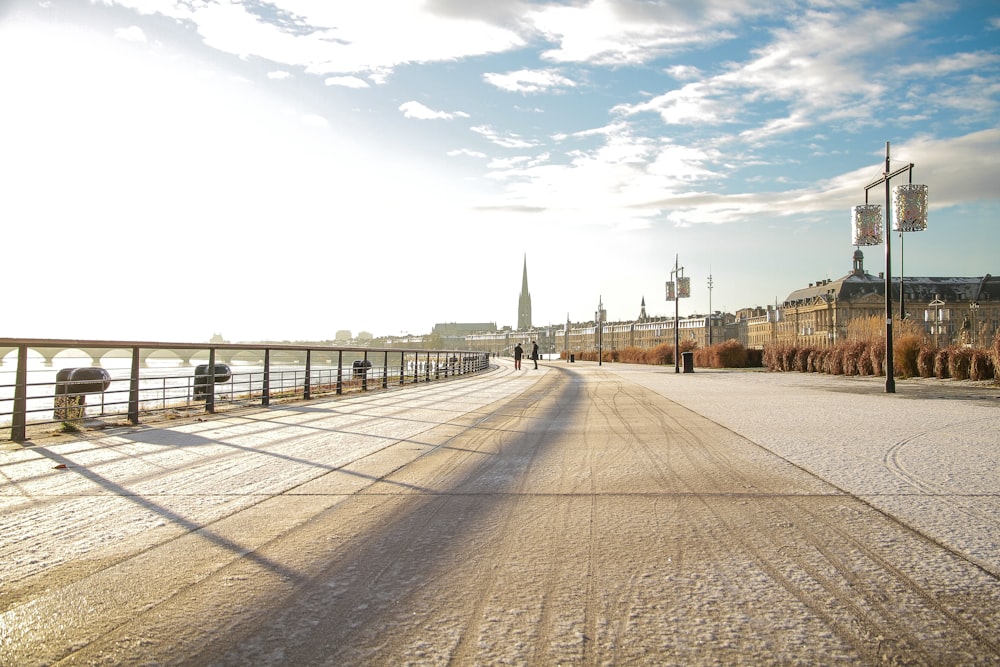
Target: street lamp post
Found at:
x=935, y=314
x=710, y=313
x=677, y=287
x=974, y=307
x=599, y=320
x=909, y=209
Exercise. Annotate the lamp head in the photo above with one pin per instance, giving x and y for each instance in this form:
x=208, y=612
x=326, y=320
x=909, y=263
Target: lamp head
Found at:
x=866, y=224
x=909, y=208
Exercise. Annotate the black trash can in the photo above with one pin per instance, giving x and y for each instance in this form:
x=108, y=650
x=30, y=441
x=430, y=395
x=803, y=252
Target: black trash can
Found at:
x=688, y=359
x=201, y=375
x=572, y=358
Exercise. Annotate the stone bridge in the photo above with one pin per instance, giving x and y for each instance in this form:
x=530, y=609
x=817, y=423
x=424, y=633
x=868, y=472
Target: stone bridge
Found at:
x=187, y=356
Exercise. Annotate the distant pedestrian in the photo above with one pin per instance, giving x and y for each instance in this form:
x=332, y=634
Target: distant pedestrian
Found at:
x=534, y=353
x=518, y=353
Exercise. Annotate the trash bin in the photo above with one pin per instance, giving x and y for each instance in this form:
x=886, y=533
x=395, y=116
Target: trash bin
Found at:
x=688, y=359
x=72, y=387
x=572, y=358
x=201, y=375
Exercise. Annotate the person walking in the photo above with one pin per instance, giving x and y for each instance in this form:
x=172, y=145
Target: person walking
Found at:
x=518, y=353
x=534, y=353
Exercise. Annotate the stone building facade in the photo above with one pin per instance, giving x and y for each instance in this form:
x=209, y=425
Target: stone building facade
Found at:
x=952, y=310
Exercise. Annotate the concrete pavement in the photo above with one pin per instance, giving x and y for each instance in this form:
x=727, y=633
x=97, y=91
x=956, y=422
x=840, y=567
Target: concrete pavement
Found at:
x=574, y=514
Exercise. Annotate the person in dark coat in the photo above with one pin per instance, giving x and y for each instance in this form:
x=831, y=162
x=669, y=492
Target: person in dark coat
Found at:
x=518, y=353
x=534, y=353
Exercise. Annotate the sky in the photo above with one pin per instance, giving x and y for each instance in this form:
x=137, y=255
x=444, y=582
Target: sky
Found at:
x=283, y=170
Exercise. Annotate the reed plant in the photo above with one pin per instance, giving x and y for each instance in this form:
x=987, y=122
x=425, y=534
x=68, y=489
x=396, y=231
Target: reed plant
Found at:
x=995, y=351
x=728, y=354
x=835, y=360
x=905, y=350
x=863, y=352
x=864, y=362
x=866, y=329
x=815, y=363
x=770, y=358
x=959, y=361
x=660, y=355
x=941, y=364
x=925, y=360
x=789, y=357
x=856, y=358
x=876, y=352
x=801, y=362
x=981, y=367
x=632, y=355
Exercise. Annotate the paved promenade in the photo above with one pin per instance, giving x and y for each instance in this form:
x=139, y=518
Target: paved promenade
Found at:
x=575, y=514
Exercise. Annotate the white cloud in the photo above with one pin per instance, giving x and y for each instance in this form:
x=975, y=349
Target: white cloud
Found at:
x=821, y=66
x=346, y=82
x=132, y=33
x=529, y=81
x=684, y=72
x=417, y=110
x=517, y=162
x=279, y=75
x=509, y=140
x=314, y=120
x=467, y=153
x=616, y=33
x=950, y=64
x=340, y=37
x=694, y=104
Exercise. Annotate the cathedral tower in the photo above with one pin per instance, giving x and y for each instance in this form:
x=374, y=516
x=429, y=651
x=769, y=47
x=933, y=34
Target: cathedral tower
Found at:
x=524, y=301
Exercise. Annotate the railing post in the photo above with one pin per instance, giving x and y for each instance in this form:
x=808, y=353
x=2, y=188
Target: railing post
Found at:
x=265, y=399
x=385, y=370
x=306, y=394
x=210, y=397
x=340, y=372
x=427, y=368
x=19, y=420
x=364, y=373
x=133, y=389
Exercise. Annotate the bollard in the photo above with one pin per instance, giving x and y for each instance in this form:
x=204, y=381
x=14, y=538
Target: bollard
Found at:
x=72, y=387
x=359, y=369
x=201, y=377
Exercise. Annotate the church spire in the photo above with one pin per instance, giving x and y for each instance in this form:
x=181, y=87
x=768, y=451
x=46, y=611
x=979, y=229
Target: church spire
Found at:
x=524, y=302
x=642, y=311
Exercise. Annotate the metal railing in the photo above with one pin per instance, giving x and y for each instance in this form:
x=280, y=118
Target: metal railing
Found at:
x=164, y=378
